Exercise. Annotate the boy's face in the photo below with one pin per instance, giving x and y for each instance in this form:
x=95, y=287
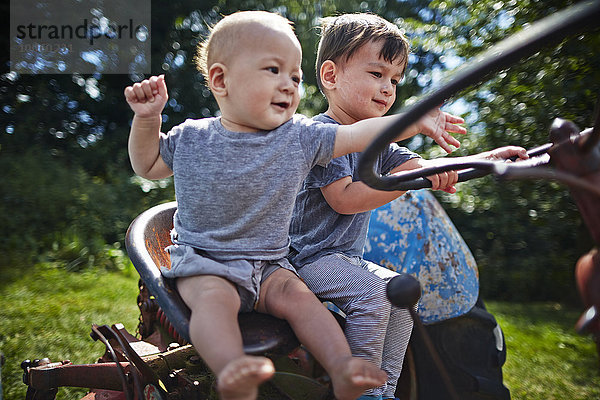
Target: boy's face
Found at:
x=263, y=80
x=365, y=85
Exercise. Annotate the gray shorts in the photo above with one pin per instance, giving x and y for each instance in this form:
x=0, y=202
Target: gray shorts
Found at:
x=247, y=275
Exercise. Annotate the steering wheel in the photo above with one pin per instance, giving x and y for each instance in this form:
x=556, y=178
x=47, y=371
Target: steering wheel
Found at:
x=573, y=20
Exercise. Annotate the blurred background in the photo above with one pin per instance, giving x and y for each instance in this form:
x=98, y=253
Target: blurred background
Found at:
x=68, y=192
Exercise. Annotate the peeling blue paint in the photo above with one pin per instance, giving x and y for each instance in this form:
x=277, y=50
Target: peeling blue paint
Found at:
x=413, y=234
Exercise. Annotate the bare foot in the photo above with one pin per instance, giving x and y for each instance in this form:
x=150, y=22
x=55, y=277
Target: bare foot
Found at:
x=239, y=380
x=354, y=377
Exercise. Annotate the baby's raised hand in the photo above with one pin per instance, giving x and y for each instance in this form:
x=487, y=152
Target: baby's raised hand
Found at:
x=148, y=97
x=437, y=124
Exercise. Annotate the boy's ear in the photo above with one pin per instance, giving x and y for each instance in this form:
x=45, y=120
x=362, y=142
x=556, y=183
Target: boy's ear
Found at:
x=216, y=79
x=328, y=74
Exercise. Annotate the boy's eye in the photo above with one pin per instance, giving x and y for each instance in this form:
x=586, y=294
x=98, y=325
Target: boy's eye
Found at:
x=274, y=70
x=376, y=74
x=395, y=82
x=296, y=79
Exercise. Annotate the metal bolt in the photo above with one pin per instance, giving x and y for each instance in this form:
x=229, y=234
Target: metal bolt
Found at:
x=195, y=359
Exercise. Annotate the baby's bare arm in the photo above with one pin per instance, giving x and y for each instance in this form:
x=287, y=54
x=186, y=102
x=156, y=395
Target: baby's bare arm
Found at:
x=435, y=124
x=356, y=137
x=147, y=100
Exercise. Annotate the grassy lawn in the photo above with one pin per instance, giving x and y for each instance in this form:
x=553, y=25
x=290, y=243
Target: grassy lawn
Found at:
x=48, y=312
x=546, y=359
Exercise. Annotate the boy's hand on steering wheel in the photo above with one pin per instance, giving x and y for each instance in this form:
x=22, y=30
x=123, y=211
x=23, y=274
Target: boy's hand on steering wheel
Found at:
x=504, y=153
x=444, y=181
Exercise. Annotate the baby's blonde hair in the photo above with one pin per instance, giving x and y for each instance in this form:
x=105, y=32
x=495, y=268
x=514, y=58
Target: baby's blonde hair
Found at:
x=226, y=34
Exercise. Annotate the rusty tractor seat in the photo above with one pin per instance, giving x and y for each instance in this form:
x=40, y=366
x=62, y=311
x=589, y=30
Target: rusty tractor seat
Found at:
x=146, y=240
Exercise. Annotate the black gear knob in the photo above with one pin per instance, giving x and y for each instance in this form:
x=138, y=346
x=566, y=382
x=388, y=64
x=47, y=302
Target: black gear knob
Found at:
x=404, y=291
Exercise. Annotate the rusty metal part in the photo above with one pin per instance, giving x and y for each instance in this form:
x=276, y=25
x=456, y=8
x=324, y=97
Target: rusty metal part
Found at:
x=587, y=276
x=162, y=319
x=148, y=307
x=144, y=372
x=37, y=392
x=57, y=374
x=153, y=326
x=98, y=335
x=146, y=240
x=574, y=156
x=585, y=165
x=44, y=377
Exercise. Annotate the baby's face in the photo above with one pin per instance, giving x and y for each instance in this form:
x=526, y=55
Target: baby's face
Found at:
x=366, y=85
x=263, y=81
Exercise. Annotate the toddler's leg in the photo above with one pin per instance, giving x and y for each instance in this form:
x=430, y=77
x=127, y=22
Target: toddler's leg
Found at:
x=285, y=296
x=375, y=330
x=394, y=348
x=356, y=291
x=216, y=336
x=397, y=334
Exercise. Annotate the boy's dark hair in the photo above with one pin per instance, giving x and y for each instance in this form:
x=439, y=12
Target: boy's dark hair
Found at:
x=343, y=35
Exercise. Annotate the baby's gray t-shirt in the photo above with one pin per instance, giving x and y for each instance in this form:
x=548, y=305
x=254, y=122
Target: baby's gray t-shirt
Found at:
x=235, y=191
x=317, y=229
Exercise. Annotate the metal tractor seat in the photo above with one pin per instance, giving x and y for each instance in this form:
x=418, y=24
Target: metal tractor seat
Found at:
x=146, y=240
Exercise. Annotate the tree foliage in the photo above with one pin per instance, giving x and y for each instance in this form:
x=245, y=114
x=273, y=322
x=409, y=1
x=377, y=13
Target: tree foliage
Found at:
x=63, y=138
x=526, y=235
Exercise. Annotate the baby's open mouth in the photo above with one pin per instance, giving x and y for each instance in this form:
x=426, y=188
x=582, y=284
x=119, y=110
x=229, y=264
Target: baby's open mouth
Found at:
x=283, y=105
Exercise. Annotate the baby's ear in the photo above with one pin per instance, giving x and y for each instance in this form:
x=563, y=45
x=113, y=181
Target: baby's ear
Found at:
x=216, y=79
x=328, y=74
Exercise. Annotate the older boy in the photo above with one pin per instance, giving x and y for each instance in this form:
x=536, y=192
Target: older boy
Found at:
x=236, y=177
x=361, y=58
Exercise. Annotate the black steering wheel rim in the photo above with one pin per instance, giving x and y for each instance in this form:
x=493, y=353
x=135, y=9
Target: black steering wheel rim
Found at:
x=550, y=30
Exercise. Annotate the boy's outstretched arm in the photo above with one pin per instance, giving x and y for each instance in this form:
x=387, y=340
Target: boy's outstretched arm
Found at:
x=350, y=197
x=147, y=100
x=436, y=124
x=446, y=180
x=346, y=196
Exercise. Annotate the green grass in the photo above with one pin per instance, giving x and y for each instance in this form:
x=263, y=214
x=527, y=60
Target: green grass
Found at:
x=546, y=358
x=48, y=312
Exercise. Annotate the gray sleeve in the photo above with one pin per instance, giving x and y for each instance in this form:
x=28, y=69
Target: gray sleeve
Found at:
x=320, y=177
x=317, y=140
x=394, y=156
x=168, y=143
